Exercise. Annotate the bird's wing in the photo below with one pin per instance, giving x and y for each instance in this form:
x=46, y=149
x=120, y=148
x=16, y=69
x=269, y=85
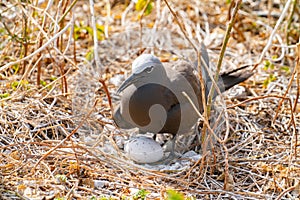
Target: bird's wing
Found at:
x=120, y=120
x=185, y=80
x=181, y=116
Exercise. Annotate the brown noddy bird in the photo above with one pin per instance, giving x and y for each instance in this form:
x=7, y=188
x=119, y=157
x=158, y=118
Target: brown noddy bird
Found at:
x=152, y=97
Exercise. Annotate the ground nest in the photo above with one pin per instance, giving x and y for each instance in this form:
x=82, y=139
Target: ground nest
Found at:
x=57, y=136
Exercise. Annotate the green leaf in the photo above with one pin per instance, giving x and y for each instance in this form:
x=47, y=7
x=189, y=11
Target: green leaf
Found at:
x=100, y=31
x=89, y=55
x=43, y=83
x=141, y=194
x=59, y=198
x=22, y=83
x=16, y=68
x=272, y=77
x=268, y=80
x=268, y=65
x=61, y=178
x=174, y=195
x=140, y=5
x=286, y=69
x=78, y=30
x=4, y=95
x=53, y=78
x=88, y=29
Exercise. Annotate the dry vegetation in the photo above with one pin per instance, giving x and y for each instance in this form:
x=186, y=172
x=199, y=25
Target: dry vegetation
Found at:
x=57, y=138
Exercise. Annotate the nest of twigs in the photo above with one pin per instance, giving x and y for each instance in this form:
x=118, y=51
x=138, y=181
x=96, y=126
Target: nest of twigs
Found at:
x=57, y=136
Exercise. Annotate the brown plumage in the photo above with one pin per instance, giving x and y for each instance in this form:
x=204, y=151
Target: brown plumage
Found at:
x=152, y=98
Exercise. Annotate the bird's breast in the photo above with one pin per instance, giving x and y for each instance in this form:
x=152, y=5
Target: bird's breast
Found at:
x=148, y=106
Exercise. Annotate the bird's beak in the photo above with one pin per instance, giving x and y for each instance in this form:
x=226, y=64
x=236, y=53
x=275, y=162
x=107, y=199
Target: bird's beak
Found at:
x=130, y=80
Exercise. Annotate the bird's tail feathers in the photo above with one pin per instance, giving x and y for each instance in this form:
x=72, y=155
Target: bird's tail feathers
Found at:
x=231, y=78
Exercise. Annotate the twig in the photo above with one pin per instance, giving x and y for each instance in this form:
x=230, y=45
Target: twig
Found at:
x=107, y=94
x=67, y=138
x=202, y=117
x=285, y=94
x=212, y=89
x=39, y=67
x=95, y=39
x=224, y=45
x=41, y=29
x=38, y=50
x=202, y=83
x=141, y=24
x=107, y=18
x=278, y=23
x=292, y=120
x=289, y=23
x=285, y=191
x=67, y=11
x=298, y=91
x=129, y=7
x=297, y=75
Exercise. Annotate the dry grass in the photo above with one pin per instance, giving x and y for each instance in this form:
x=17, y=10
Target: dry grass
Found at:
x=57, y=138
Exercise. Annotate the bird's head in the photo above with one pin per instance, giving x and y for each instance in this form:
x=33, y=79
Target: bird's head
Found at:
x=145, y=69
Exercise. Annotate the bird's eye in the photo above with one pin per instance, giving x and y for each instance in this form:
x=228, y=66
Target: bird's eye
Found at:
x=149, y=69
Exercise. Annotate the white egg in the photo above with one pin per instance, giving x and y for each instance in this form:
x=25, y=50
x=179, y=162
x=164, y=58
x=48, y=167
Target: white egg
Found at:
x=143, y=150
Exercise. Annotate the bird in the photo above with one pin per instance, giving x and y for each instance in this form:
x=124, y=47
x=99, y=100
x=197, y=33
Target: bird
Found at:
x=152, y=98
